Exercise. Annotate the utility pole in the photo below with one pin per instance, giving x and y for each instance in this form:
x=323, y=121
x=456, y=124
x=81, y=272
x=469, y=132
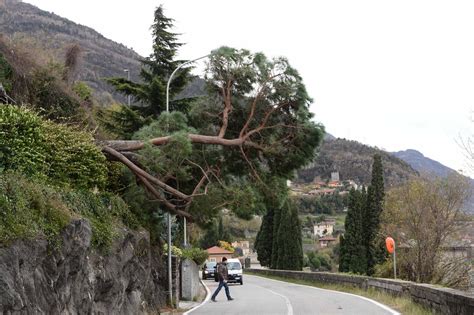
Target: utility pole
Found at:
x=170, y=279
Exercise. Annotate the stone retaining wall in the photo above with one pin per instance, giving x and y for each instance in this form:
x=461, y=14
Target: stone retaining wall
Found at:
x=441, y=300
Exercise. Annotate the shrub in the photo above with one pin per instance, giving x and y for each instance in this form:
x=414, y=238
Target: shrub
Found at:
x=31, y=208
x=198, y=255
x=52, y=152
x=319, y=261
x=175, y=251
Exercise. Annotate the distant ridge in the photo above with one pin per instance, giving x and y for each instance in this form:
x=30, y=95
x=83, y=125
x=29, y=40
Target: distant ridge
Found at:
x=353, y=160
x=423, y=164
x=47, y=35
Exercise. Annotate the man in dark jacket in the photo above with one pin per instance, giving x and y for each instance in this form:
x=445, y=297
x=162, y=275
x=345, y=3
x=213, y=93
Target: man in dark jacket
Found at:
x=222, y=275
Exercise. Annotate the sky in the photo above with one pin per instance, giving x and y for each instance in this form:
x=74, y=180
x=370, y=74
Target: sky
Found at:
x=393, y=74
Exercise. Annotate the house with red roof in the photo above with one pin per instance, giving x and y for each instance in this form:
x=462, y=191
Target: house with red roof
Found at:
x=216, y=253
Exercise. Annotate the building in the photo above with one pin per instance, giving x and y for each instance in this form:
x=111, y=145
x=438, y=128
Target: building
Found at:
x=324, y=228
x=335, y=184
x=334, y=176
x=326, y=241
x=322, y=192
x=216, y=253
x=243, y=245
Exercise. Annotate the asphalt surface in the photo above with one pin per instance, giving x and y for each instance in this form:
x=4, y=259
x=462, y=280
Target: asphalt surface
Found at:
x=265, y=296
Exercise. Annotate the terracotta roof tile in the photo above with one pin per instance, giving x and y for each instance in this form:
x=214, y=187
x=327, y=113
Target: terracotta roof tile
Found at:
x=218, y=250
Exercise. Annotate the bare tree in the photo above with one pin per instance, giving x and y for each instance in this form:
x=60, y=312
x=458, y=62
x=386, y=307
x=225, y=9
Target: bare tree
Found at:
x=424, y=216
x=71, y=63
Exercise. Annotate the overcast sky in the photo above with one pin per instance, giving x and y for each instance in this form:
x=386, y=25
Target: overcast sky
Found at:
x=391, y=74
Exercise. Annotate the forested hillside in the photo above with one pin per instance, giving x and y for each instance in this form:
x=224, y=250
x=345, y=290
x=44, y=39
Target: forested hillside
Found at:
x=353, y=160
x=48, y=35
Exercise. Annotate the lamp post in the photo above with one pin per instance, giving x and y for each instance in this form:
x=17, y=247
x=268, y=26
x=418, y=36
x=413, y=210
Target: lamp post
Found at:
x=128, y=78
x=170, y=278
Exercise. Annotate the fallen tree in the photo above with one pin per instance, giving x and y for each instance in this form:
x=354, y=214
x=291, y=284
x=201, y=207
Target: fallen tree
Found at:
x=254, y=125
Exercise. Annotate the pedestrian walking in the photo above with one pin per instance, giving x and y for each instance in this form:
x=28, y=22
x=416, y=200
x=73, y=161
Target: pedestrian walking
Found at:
x=222, y=275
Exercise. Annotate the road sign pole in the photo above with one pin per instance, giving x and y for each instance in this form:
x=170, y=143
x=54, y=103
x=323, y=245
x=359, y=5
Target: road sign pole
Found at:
x=394, y=262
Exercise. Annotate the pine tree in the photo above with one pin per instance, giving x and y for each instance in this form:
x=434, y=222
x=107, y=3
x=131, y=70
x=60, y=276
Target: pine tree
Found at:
x=264, y=241
x=373, y=210
x=150, y=96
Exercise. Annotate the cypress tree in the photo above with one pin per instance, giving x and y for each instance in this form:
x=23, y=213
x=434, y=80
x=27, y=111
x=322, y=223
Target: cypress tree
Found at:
x=211, y=237
x=343, y=257
x=354, y=256
x=373, y=210
x=275, y=241
x=290, y=245
x=223, y=233
x=264, y=241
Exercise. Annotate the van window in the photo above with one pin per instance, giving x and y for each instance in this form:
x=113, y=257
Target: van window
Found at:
x=234, y=265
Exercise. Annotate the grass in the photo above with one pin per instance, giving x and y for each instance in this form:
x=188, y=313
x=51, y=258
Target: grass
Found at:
x=404, y=305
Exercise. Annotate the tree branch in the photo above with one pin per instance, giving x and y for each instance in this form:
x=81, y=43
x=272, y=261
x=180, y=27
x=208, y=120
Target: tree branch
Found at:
x=139, y=172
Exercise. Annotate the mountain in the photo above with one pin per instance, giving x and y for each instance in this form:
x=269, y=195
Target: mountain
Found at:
x=423, y=164
x=353, y=160
x=428, y=167
x=48, y=35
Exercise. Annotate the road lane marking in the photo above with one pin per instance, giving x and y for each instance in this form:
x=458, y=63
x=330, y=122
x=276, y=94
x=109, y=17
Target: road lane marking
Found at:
x=287, y=300
x=208, y=297
x=393, y=312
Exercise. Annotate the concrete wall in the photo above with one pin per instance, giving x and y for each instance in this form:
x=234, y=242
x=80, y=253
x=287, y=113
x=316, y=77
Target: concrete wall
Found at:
x=440, y=300
x=189, y=280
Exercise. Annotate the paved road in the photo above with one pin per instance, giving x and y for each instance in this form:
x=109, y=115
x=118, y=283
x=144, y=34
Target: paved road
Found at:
x=265, y=296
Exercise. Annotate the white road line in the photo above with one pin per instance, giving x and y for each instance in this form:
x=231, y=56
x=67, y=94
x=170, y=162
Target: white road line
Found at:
x=208, y=297
x=339, y=292
x=287, y=300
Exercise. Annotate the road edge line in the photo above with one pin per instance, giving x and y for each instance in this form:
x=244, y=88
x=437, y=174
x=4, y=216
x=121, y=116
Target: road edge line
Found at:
x=206, y=299
x=289, y=307
x=394, y=312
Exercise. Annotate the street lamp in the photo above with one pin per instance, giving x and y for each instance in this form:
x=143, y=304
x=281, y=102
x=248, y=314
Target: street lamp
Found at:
x=170, y=278
x=128, y=78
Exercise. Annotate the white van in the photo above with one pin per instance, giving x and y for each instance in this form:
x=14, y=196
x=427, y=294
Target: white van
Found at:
x=234, y=268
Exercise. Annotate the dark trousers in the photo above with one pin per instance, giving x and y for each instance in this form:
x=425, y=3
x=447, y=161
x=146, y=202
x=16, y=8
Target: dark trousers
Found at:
x=222, y=283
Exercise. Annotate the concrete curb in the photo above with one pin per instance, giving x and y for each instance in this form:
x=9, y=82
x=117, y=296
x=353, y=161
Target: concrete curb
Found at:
x=206, y=299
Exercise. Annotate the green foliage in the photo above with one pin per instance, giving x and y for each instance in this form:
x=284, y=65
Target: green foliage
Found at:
x=105, y=211
x=83, y=91
x=290, y=244
x=353, y=251
x=326, y=204
x=198, y=255
x=374, y=208
x=215, y=233
x=175, y=251
x=50, y=96
x=6, y=74
x=264, y=240
x=211, y=237
x=121, y=121
x=54, y=152
x=32, y=208
x=29, y=209
x=360, y=248
x=319, y=261
x=222, y=232
x=156, y=69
